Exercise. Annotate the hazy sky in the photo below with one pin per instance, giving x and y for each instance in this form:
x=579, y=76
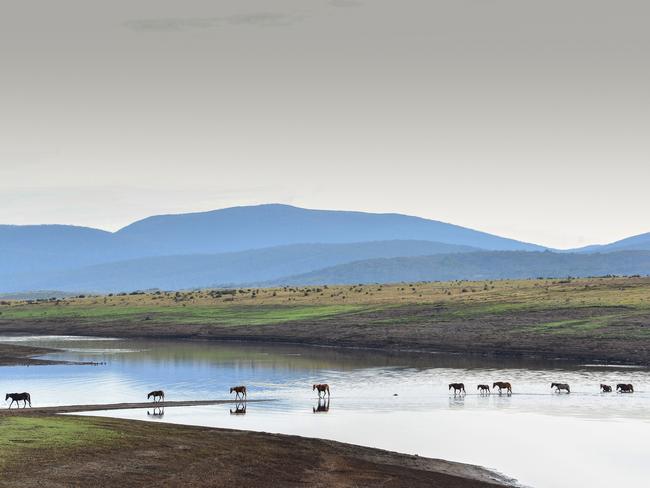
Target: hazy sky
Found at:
x=529, y=119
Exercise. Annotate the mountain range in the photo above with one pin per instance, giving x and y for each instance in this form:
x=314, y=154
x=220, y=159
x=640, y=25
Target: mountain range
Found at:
x=276, y=244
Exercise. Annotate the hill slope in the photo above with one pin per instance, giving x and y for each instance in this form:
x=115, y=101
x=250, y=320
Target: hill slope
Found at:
x=254, y=227
x=478, y=266
x=202, y=270
x=639, y=242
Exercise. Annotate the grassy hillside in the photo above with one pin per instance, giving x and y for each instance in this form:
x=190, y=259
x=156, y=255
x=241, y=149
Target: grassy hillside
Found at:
x=271, y=305
x=588, y=319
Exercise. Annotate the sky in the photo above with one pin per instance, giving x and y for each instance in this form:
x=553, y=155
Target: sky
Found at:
x=522, y=118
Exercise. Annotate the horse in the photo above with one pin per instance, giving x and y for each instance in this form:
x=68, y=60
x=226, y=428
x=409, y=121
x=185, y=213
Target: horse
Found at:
x=605, y=388
x=239, y=390
x=157, y=394
x=17, y=397
x=240, y=409
x=323, y=406
x=561, y=386
x=485, y=389
x=322, y=388
x=502, y=385
x=458, y=388
x=625, y=388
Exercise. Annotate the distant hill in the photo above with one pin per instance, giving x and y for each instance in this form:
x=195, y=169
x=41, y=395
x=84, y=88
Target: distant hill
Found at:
x=255, y=227
x=477, y=266
x=42, y=254
x=202, y=270
x=267, y=243
x=640, y=242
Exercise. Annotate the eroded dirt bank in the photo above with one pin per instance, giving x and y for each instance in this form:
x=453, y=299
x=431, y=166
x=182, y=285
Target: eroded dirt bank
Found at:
x=598, y=334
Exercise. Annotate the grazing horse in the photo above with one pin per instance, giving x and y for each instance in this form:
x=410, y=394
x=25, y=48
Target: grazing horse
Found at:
x=17, y=397
x=501, y=385
x=239, y=390
x=240, y=409
x=625, y=388
x=322, y=388
x=605, y=388
x=485, y=389
x=561, y=386
x=159, y=394
x=458, y=388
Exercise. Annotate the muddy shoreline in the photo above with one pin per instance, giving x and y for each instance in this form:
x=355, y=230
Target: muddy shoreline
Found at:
x=20, y=355
x=421, y=329
x=146, y=453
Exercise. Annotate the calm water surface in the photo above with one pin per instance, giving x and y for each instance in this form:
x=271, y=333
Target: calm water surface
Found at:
x=394, y=402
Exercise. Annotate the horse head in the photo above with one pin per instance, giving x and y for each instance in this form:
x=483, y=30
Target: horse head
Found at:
x=7, y=396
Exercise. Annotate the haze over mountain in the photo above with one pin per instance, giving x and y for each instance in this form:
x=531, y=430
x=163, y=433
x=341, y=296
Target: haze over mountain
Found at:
x=264, y=243
x=205, y=270
x=478, y=266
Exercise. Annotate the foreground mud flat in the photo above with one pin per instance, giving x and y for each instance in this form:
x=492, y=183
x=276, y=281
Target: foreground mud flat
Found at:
x=60, y=451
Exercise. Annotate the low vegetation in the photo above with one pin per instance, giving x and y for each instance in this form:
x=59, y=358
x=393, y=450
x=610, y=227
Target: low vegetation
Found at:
x=20, y=436
x=604, y=318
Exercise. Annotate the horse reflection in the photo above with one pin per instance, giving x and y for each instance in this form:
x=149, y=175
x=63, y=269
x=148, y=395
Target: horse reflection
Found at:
x=323, y=406
x=157, y=412
x=240, y=409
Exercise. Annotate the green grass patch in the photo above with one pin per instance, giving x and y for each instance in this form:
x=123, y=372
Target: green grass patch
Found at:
x=21, y=433
x=573, y=326
x=229, y=315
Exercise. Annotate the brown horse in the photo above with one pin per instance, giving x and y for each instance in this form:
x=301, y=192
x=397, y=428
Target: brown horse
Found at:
x=239, y=390
x=159, y=394
x=19, y=397
x=322, y=388
x=458, y=388
x=502, y=385
x=605, y=388
x=485, y=389
x=561, y=386
x=625, y=388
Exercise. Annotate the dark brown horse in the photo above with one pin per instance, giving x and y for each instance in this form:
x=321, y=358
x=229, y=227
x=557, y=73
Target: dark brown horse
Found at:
x=322, y=388
x=485, y=389
x=239, y=391
x=458, y=388
x=159, y=394
x=502, y=385
x=625, y=388
x=561, y=386
x=19, y=397
x=605, y=388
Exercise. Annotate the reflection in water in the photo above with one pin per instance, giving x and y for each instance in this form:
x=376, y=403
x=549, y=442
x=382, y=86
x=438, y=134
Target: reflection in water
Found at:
x=457, y=401
x=323, y=405
x=240, y=409
x=391, y=401
x=157, y=412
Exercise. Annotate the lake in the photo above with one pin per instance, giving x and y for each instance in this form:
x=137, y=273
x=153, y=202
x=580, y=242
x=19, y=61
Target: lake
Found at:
x=398, y=402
